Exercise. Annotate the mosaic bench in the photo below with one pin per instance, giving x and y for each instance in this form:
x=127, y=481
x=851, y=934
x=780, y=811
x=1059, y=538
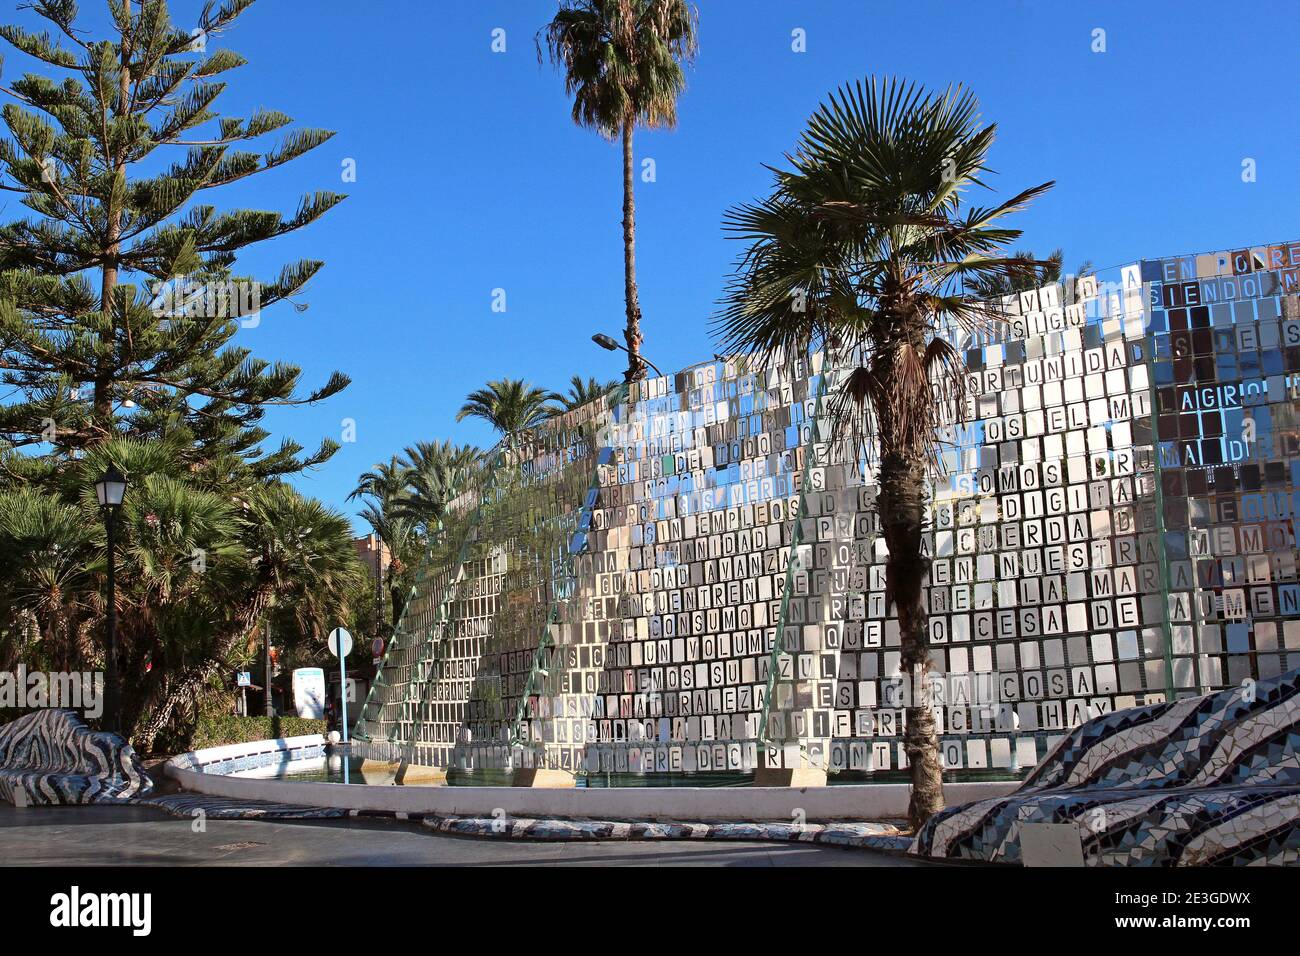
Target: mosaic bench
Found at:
x=51, y=757
x=1203, y=781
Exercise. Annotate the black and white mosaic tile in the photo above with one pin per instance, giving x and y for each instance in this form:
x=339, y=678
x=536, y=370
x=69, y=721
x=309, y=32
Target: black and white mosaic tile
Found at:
x=865, y=835
x=229, y=808
x=1204, y=781
x=51, y=757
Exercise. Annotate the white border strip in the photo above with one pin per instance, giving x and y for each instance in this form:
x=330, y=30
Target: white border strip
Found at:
x=849, y=802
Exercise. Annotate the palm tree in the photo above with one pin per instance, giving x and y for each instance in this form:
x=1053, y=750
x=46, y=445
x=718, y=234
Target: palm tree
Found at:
x=399, y=534
x=409, y=497
x=509, y=405
x=384, y=483
x=46, y=547
x=581, y=392
x=861, y=250
x=182, y=570
x=196, y=567
x=310, y=552
x=437, y=473
x=622, y=62
x=1033, y=273
x=301, y=554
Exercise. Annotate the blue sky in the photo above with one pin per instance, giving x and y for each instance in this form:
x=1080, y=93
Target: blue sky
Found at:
x=472, y=177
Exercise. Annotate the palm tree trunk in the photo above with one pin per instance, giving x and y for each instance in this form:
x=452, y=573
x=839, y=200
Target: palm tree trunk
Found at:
x=632, y=334
x=187, y=687
x=191, y=683
x=901, y=504
x=397, y=600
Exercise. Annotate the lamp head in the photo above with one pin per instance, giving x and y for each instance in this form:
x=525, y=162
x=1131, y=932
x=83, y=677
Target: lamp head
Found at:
x=111, y=488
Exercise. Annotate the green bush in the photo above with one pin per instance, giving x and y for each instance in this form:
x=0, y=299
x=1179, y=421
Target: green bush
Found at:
x=218, y=730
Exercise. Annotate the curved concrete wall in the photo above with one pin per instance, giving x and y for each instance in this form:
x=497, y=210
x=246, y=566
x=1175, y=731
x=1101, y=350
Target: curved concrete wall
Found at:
x=197, y=771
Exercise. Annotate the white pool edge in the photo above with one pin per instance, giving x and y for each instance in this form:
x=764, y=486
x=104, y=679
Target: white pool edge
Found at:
x=879, y=801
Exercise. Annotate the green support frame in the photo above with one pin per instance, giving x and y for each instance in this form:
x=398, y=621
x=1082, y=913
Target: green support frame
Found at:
x=566, y=581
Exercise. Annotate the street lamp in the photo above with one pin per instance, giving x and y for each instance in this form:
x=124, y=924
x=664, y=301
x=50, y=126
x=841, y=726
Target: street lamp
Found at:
x=609, y=344
x=110, y=490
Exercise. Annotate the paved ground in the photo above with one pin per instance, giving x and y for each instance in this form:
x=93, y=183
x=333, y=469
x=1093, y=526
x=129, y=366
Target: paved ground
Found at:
x=145, y=836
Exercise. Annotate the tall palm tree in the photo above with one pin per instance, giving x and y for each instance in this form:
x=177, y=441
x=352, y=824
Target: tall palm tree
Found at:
x=509, y=405
x=580, y=393
x=622, y=62
x=861, y=249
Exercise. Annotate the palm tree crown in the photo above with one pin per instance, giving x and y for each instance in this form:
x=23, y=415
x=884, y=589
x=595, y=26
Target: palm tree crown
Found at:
x=622, y=59
x=384, y=483
x=436, y=473
x=509, y=405
x=622, y=63
x=1034, y=273
x=305, y=549
x=581, y=392
x=864, y=242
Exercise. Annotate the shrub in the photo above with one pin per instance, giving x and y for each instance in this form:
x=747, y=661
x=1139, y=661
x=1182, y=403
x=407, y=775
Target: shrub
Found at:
x=218, y=729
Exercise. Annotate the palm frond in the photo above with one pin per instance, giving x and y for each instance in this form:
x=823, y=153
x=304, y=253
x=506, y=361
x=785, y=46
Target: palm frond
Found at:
x=868, y=243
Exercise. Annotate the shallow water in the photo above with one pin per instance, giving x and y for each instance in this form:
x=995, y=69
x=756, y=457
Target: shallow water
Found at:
x=332, y=770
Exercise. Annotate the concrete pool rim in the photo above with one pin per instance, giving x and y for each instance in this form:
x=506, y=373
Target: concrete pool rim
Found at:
x=212, y=771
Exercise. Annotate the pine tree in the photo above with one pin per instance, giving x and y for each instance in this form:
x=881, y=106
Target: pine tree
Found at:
x=119, y=294
x=120, y=300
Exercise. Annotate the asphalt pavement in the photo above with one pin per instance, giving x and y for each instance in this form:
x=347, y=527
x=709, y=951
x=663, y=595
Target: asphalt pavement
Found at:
x=146, y=836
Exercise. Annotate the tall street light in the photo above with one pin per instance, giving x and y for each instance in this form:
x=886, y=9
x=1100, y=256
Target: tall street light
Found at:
x=110, y=490
x=610, y=344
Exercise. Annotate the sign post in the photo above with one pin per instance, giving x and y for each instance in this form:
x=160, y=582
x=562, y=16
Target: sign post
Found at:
x=340, y=647
x=244, y=679
x=340, y=643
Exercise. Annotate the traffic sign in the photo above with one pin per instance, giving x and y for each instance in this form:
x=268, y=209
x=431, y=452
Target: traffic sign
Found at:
x=340, y=636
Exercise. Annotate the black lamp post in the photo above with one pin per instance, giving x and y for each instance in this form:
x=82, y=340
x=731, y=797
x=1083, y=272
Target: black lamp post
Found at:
x=110, y=490
x=610, y=344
